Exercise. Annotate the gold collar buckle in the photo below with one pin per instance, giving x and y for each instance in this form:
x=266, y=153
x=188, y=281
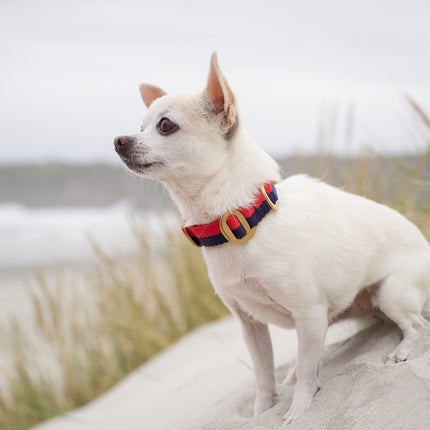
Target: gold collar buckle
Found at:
x=227, y=231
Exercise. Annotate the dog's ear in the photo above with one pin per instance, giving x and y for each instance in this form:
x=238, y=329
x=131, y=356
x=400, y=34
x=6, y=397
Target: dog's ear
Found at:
x=150, y=93
x=220, y=97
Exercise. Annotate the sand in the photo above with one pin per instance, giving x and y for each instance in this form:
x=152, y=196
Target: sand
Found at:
x=205, y=382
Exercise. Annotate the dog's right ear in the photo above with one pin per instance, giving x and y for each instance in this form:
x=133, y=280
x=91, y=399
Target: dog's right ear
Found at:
x=221, y=98
x=149, y=93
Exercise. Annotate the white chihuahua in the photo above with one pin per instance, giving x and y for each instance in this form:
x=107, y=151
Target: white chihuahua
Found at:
x=301, y=254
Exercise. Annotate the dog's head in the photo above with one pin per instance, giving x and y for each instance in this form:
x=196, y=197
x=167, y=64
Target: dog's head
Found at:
x=183, y=134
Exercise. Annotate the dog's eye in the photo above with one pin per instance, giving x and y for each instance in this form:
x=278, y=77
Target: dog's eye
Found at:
x=165, y=126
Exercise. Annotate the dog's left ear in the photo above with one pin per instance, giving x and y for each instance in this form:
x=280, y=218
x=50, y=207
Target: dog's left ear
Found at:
x=220, y=97
x=150, y=93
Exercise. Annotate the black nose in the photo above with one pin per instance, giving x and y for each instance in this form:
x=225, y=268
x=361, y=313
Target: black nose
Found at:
x=121, y=142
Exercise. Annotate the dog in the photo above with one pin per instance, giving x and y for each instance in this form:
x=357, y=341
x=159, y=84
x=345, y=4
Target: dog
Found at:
x=300, y=253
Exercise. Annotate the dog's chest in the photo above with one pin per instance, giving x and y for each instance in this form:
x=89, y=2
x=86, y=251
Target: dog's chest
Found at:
x=253, y=297
x=238, y=279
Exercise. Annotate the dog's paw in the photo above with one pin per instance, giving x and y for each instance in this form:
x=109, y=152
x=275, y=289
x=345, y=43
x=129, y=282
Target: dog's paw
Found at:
x=293, y=413
x=263, y=403
x=302, y=400
x=396, y=357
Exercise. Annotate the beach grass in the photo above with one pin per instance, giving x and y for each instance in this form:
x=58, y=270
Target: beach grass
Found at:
x=84, y=340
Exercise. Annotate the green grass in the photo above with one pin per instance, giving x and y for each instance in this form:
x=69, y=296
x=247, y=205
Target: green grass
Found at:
x=84, y=340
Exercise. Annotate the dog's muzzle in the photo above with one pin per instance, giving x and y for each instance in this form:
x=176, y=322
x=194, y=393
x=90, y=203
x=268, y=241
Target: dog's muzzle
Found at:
x=123, y=144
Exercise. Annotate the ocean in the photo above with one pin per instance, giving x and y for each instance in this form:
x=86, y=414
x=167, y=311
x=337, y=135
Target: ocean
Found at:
x=52, y=236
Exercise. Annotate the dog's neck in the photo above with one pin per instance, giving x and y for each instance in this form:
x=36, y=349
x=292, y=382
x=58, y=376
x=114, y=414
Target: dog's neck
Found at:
x=234, y=185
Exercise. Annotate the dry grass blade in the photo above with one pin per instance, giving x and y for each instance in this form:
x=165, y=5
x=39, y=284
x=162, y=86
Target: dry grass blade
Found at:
x=418, y=110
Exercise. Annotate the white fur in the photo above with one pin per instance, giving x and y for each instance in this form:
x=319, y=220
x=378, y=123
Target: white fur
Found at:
x=306, y=262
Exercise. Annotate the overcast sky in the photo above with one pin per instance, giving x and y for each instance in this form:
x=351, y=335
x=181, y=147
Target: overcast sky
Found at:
x=309, y=75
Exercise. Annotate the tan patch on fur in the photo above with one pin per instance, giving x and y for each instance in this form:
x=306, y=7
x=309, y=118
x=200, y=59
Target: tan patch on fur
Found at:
x=363, y=304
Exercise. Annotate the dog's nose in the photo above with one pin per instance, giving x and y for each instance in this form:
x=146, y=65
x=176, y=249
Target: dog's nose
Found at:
x=122, y=141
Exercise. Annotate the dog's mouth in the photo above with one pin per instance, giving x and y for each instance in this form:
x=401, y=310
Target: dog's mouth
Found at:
x=134, y=162
x=133, y=165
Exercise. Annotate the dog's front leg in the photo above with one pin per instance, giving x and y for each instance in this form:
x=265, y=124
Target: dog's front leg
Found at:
x=259, y=343
x=311, y=329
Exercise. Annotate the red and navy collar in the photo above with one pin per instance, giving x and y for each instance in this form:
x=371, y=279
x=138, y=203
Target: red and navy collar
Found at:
x=237, y=226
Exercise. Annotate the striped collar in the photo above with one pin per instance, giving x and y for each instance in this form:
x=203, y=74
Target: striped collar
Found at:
x=236, y=226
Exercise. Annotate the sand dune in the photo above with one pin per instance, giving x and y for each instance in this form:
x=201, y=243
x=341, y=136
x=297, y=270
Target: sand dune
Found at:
x=205, y=382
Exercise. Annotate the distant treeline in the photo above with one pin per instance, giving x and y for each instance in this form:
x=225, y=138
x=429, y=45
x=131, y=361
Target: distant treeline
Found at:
x=57, y=184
